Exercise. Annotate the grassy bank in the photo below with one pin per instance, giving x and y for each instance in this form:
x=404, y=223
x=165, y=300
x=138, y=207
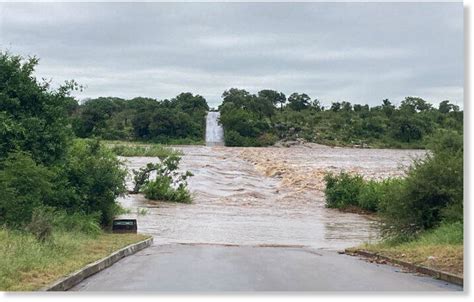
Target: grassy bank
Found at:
x=147, y=150
x=130, y=149
x=440, y=249
x=26, y=264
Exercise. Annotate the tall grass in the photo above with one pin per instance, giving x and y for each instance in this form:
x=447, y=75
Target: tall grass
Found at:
x=27, y=264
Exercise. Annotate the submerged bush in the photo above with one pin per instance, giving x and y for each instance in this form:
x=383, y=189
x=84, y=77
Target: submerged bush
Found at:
x=342, y=190
x=168, y=185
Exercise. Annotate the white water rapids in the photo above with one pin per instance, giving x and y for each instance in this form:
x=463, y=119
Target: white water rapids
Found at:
x=214, y=131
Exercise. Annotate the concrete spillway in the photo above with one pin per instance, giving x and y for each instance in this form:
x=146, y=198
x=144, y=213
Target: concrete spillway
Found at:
x=214, y=131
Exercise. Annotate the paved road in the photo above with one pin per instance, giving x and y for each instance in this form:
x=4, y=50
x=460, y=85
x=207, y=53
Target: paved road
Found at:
x=211, y=268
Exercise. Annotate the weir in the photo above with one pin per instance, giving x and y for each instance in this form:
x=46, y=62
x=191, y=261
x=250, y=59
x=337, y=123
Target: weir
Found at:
x=214, y=131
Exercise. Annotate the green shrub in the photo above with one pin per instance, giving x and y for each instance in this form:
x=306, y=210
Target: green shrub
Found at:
x=370, y=195
x=373, y=192
x=431, y=193
x=90, y=181
x=24, y=186
x=342, y=190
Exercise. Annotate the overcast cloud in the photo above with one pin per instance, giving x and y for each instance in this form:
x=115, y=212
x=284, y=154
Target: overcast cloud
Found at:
x=358, y=52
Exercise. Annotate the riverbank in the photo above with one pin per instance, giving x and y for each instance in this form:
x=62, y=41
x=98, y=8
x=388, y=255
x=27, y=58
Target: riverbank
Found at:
x=27, y=265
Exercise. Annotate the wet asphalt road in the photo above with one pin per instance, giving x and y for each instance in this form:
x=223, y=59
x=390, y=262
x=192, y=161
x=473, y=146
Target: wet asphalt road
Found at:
x=213, y=268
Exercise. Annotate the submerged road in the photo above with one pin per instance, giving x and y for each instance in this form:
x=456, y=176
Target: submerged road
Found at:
x=212, y=268
x=216, y=243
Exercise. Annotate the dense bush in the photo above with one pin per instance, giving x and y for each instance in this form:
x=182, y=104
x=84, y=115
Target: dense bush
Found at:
x=429, y=195
x=90, y=181
x=33, y=118
x=432, y=191
x=40, y=165
x=24, y=186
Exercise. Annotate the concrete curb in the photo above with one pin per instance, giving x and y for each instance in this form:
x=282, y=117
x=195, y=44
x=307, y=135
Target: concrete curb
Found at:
x=75, y=278
x=448, y=277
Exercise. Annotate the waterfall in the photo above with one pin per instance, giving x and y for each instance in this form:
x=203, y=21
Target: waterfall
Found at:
x=214, y=131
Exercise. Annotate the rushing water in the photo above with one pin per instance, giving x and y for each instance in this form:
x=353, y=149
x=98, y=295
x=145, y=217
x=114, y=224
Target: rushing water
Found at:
x=235, y=203
x=214, y=131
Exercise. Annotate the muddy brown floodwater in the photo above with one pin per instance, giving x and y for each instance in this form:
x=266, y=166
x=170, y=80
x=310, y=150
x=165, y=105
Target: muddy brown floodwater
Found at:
x=264, y=196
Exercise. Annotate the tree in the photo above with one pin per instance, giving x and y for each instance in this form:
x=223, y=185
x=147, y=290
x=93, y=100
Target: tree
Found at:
x=414, y=104
x=33, y=117
x=316, y=105
x=446, y=107
x=387, y=107
x=346, y=106
x=273, y=96
x=190, y=103
x=239, y=97
x=298, y=101
x=335, y=106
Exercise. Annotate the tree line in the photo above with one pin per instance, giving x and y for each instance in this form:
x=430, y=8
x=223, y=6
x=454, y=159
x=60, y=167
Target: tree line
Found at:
x=178, y=120
x=262, y=119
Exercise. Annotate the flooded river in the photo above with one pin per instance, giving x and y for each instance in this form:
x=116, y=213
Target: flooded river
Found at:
x=264, y=196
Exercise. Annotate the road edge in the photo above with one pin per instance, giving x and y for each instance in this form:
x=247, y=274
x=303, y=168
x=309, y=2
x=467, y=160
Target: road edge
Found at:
x=69, y=281
x=448, y=277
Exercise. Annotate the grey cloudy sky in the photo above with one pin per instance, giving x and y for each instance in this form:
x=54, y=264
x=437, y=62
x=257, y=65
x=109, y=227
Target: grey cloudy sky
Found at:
x=358, y=52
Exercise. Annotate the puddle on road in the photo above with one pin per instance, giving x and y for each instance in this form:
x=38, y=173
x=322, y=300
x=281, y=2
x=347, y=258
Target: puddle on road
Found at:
x=236, y=203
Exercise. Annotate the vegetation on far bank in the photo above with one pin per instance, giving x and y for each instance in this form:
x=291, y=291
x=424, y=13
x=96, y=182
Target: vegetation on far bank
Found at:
x=179, y=121
x=27, y=264
x=421, y=213
x=131, y=149
x=263, y=118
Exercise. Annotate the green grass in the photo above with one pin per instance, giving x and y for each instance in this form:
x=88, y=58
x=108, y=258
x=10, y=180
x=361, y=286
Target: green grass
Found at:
x=441, y=248
x=138, y=149
x=26, y=264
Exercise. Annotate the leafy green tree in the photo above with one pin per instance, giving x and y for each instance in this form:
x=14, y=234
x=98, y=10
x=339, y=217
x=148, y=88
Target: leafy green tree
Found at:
x=316, y=105
x=33, y=117
x=298, y=101
x=336, y=106
x=446, y=107
x=414, y=104
x=387, y=107
x=273, y=96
